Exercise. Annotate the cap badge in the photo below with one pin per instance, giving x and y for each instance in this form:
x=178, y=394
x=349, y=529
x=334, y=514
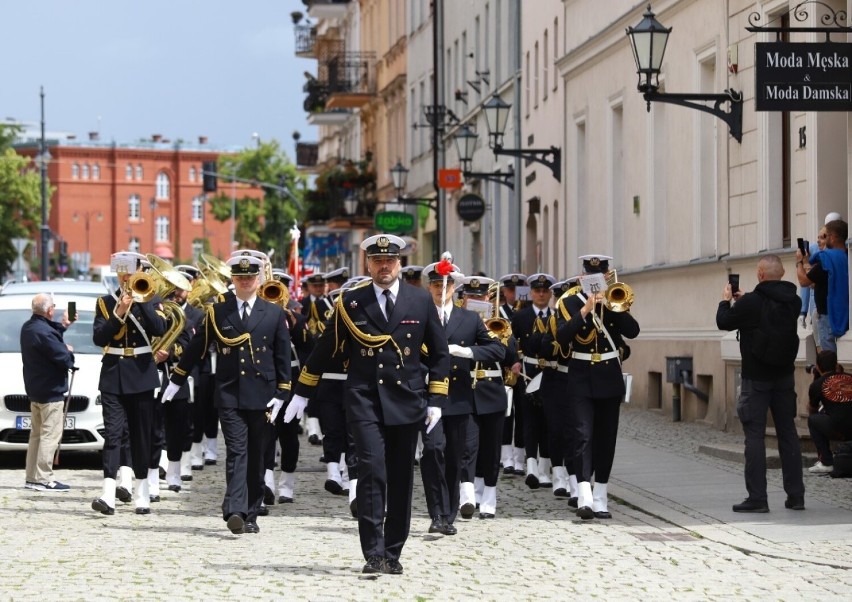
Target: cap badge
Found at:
x=383, y=242
x=244, y=263
x=594, y=261
x=474, y=283
x=542, y=278
x=515, y=278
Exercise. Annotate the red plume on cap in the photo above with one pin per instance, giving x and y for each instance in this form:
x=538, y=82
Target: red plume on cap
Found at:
x=444, y=267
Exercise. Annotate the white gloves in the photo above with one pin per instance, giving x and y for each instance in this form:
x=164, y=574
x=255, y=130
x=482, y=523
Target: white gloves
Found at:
x=296, y=408
x=170, y=392
x=433, y=415
x=459, y=351
x=274, y=406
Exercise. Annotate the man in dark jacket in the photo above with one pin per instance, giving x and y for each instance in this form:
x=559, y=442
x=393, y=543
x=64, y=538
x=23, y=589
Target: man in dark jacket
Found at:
x=767, y=379
x=46, y=360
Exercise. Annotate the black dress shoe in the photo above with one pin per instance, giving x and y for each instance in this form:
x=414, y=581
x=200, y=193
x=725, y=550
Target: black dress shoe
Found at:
x=154, y=498
x=561, y=492
x=353, y=508
x=262, y=511
x=485, y=515
x=314, y=440
x=795, y=502
x=520, y=471
x=143, y=511
x=333, y=486
x=748, y=505
x=572, y=502
x=449, y=528
x=123, y=494
x=198, y=467
x=209, y=462
x=175, y=488
x=186, y=477
x=284, y=499
x=162, y=473
x=251, y=527
x=236, y=524
x=603, y=514
x=585, y=513
x=375, y=564
x=392, y=567
x=436, y=526
x=268, y=496
x=508, y=470
x=102, y=507
x=532, y=481
x=467, y=510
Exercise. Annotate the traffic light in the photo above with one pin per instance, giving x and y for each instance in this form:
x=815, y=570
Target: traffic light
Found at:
x=63, y=257
x=209, y=176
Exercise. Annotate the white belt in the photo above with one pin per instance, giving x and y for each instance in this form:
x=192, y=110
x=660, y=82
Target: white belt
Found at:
x=334, y=376
x=128, y=351
x=595, y=357
x=561, y=368
x=486, y=373
x=294, y=363
x=540, y=362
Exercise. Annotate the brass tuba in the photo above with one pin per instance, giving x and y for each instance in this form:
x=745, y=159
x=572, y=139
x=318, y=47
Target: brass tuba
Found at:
x=167, y=279
x=618, y=296
x=497, y=324
x=217, y=265
x=208, y=284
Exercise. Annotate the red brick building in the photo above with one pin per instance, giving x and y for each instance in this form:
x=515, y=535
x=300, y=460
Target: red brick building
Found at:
x=145, y=196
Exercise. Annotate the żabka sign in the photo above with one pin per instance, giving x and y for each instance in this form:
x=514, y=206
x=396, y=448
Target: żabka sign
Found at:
x=803, y=76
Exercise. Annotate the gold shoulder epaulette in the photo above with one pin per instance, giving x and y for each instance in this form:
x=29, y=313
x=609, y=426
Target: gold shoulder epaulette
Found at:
x=102, y=307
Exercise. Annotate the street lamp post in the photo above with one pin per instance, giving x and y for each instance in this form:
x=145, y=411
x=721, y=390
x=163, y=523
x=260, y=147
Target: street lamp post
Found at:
x=87, y=215
x=42, y=160
x=466, y=145
x=399, y=177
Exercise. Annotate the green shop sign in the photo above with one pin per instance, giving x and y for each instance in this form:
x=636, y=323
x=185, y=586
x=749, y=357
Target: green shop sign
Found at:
x=394, y=221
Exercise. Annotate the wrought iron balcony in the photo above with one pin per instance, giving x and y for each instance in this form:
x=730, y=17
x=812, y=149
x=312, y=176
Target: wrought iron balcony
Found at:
x=307, y=154
x=327, y=9
x=306, y=40
x=351, y=79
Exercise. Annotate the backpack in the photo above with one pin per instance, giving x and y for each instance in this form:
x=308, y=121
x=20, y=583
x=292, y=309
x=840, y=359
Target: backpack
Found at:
x=775, y=341
x=842, y=461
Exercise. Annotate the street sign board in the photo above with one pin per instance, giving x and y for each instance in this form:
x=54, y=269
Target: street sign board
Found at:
x=471, y=207
x=394, y=221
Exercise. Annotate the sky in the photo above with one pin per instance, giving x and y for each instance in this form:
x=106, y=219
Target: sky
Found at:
x=180, y=68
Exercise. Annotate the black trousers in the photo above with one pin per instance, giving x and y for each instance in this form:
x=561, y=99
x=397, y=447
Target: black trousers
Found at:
x=133, y=414
x=246, y=434
x=823, y=429
x=385, y=474
x=441, y=463
x=332, y=419
x=287, y=435
x=158, y=434
x=513, y=426
x=177, y=415
x=467, y=471
x=535, y=427
x=205, y=415
x=594, y=429
x=490, y=426
x=557, y=413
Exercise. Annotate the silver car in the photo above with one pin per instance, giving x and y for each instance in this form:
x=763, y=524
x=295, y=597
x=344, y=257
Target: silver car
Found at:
x=84, y=425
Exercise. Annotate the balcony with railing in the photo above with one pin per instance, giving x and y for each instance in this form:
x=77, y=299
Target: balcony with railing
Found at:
x=327, y=9
x=306, y=40
x=350, y=79
x=344, y=192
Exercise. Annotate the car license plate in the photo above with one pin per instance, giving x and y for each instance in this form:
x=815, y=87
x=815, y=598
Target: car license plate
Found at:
x=25, y=423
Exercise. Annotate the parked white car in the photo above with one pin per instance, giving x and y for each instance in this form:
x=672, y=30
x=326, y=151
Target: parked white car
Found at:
x=84, y=426
x=57, y=287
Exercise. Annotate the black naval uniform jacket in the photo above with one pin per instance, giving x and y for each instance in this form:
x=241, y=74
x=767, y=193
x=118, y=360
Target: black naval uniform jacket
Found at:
x=385, y=382
x=465, y=328
x=301, y=341
x=130, y=372
x=594, y=379
x=490, y=396
x=193, y=317
x=529, y=339
x=252, y=359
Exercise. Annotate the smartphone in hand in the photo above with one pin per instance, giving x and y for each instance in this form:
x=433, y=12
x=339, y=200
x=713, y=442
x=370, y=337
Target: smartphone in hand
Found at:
x=734, y=281
x=72, y=311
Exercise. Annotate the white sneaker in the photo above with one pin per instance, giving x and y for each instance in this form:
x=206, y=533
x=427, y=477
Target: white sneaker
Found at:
x=820, y=468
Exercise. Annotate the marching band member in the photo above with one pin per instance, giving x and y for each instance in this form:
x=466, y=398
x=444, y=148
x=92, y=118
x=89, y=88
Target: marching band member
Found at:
x=124, y=328
x=412, y=274
x=384, y=325
x=595, y=334
x=512, y=452
x=252, y=376
x=316, y=306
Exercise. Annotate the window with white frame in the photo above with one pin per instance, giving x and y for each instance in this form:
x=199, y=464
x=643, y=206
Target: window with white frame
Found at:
x=75, y=171
x=163, y=185
x=198, y=208
x=134, y=205
x=128, y=172
x=84, y=171
x=192, y=173
x=197, y=248
x=96, y=172
x=544, y=67
x=162, y=229
x=139, y=171
x=134, y=245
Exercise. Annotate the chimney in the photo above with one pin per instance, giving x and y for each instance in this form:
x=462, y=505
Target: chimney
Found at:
x=94, y=136
x=202, y=140
x=72, y=136
x=156, y=137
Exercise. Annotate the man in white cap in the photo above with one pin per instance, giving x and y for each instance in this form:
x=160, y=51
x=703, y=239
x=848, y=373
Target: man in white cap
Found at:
x=252, y=376
x=384, y=325
x=124, y=328
x=595, y=335
x=512, y=451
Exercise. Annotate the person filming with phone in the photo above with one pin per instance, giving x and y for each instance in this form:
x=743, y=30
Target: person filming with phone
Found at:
x=47, y=360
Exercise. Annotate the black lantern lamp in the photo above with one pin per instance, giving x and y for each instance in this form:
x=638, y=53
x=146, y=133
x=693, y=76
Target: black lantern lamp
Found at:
x=648, y=41
x=496, y=117
x=399, y=177
x=466, y=145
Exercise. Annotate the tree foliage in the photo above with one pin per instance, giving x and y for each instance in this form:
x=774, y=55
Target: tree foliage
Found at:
x=20, y=199
x=261, y=224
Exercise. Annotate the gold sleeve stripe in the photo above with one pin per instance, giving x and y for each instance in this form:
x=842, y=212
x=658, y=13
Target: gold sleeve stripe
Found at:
x=306, y=378
x=284, y=386
x=440, y=387
x=179, y=371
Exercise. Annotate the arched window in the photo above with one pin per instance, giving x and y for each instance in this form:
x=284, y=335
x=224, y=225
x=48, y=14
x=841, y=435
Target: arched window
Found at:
x=134, y=244
x=163, y=185
x=198, y=208
x=128, y=172
x=139, y=171
x=134, y=207
x=85, y=171
x=96, y=172
x=192, y=173
x=75, y=171
x=162, y=234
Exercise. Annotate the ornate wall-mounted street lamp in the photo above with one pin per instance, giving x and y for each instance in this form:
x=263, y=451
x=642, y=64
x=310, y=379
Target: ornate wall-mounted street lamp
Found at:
x=399, y=177
x=496, y=117
x=648, y=40
x=466, y=145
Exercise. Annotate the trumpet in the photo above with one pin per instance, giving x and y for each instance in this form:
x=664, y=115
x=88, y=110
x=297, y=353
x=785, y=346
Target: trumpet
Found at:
x=497, y=324
x=618, y=296
x=272, y=290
